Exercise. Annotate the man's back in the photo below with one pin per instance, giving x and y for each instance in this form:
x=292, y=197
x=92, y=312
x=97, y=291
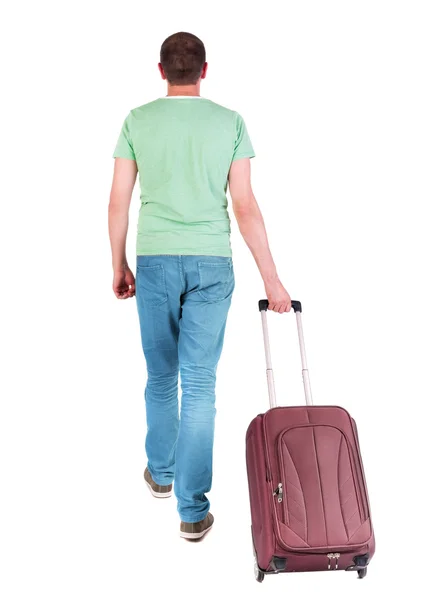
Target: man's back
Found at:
x=187, y=150
x=183, y=147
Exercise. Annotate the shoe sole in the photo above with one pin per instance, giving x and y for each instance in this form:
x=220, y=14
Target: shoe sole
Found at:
x=158, y=494
x=195, y=536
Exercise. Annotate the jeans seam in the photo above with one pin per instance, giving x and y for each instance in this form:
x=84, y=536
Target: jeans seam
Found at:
x=181, y=267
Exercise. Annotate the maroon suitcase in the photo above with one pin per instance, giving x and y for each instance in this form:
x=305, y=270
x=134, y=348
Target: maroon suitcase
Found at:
x=309, y=502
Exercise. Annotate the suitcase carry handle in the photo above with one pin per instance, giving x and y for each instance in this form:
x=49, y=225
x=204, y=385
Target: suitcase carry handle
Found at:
x=297, y=307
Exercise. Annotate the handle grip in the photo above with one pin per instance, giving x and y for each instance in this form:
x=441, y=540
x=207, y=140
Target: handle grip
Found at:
x=295, y=305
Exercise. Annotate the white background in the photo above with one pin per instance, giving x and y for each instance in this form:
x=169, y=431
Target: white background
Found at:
x=345, y=104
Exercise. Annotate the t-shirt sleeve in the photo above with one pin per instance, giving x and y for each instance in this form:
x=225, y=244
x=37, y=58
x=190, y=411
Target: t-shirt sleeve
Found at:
x=243, y=147
x=124, y=147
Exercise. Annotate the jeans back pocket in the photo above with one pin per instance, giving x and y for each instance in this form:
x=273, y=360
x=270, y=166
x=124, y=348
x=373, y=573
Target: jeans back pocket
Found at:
x=151, y=285
x=216, y=280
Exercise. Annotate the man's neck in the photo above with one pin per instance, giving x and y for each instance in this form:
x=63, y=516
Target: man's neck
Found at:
x=183, y=90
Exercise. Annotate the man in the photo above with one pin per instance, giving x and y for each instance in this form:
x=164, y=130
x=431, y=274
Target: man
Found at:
x=185, y=149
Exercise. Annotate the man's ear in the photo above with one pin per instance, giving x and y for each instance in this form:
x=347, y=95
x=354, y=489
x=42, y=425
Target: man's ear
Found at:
x=204, y=71
x=161, y=70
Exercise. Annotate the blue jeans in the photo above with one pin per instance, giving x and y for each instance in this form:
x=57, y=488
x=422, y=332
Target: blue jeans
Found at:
x=183, y=303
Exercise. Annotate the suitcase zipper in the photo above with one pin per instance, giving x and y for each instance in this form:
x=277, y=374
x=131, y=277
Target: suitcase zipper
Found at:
x=331, y=556
x=279, y=492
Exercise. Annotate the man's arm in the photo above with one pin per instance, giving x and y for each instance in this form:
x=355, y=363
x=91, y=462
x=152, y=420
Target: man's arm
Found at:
x=124, y=178
x=252, y=228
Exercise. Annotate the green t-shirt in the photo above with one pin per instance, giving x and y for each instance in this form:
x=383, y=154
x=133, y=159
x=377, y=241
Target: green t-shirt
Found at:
x=183, y=147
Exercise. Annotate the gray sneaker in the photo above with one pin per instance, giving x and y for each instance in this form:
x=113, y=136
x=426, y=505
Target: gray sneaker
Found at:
x=195, y=531
x=159, y=491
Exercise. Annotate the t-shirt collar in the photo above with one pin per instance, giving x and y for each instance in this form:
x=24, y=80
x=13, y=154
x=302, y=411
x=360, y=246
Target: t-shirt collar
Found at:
x=172, y=97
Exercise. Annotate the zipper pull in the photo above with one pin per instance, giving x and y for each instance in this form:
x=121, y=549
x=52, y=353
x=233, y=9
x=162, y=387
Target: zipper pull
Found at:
x=337, y=556
x=330, y=556
x=279, y=492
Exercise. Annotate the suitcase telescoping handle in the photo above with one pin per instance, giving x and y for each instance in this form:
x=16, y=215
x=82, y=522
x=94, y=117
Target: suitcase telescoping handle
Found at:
x=297, y=307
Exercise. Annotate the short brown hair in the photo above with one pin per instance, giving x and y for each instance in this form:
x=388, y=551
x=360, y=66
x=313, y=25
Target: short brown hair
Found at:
x=182, y=57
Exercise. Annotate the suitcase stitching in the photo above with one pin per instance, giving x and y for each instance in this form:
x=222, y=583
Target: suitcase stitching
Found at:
x=320, y=483
x=350, y=518
x=286, y=482
x=349, y=477
x=340, y=488
x=358, y=528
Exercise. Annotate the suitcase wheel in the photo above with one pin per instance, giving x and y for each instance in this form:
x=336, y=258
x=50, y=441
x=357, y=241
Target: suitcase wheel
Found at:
x=258, y=574
x=362, y=573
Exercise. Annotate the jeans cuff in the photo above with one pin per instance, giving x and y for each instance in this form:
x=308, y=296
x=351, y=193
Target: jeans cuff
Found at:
x=160, y=478
x=194, y=516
